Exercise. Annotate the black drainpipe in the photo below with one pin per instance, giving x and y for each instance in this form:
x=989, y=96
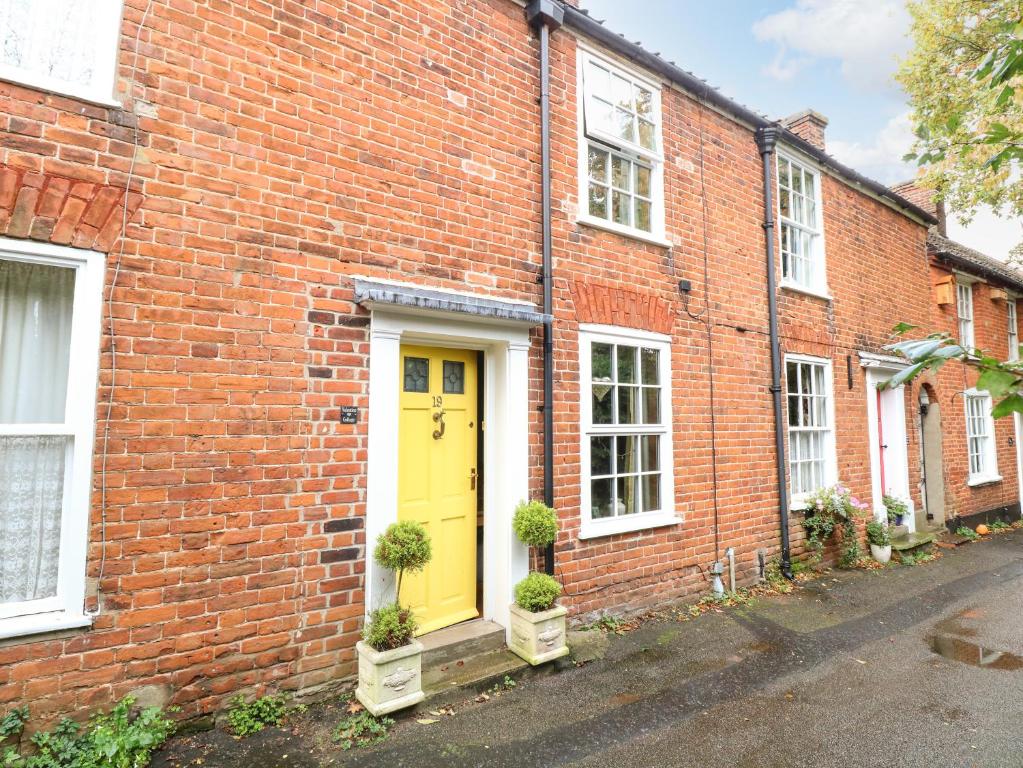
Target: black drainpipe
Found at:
x=546, y=16
x=767, y=137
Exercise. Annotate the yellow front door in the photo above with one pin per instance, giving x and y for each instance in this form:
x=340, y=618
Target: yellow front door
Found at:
x=437, y=479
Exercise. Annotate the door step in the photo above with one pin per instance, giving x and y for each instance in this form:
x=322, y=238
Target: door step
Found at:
x=912, y=541
x=471, y=655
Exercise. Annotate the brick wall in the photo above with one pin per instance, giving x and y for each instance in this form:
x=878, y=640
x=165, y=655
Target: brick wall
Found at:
x=283, y=149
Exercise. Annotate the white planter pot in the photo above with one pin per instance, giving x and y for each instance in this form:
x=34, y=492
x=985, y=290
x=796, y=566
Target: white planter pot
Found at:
x=390, y=680
x=538, y=637
x=881, y=554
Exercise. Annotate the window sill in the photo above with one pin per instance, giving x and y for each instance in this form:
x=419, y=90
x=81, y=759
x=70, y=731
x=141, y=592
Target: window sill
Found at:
x=975, y=482
x=618, y=229
x=788, y=285
x=42, y=623
x=47, y=85
x=626, y=524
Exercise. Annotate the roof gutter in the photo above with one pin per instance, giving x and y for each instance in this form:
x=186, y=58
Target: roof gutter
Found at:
x=971, y=267
x=593, y=29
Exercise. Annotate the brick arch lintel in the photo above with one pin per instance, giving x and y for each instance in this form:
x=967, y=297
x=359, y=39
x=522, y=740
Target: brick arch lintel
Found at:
x=612, y=305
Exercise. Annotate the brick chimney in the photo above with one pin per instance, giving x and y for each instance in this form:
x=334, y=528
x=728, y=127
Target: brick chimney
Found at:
x=809, y=126
x=922, y=197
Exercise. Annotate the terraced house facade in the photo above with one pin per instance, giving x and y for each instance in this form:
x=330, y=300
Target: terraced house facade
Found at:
x=276, y=274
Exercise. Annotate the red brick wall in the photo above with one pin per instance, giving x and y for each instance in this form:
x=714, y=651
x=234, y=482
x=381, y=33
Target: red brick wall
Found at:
x=283, y=149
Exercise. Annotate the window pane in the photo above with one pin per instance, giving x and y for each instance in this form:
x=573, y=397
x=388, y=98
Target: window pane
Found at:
x=627, y=365
x=624, y=125
x=417, y=374
x=621, y=91
x=642, y=180
x=598, y=79
x=598, y=164
x=627, y=501
x=651, y=405
x=603, y=403
x=620, y=208
x=36, y=303
x=651, y=492
x=598, y=201
x=647, y=133
x=620, y=170
x=627, y=456
x=644, y=103
x=783, y=204
x=600, y=456
x=643, y=215
x=598, y=114
x=783, y=173
x=600, y=362
x=627, y=406
x=31, y=500
x=454, y=377
x=651, y=447
x=651, y=371
x=600, y=498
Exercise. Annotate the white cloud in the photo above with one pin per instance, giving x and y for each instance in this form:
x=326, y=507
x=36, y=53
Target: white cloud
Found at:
x=988, y=233
x=881, y=157
x=865, y=37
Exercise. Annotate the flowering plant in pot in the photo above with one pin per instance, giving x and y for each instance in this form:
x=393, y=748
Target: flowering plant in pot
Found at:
x=880, y=541
x=831, y=510
x=537, y=622
x=896, y=508
x=390, y=658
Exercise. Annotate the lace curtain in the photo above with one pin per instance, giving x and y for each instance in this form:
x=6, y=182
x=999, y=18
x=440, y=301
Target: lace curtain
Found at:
x=35, y=340
x=50, y=37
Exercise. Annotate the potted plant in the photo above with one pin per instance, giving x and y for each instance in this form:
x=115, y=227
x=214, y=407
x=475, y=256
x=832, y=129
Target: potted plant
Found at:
x=537, y=623
x=897, y=509
x=390, y=658
x=880, y=541
x=829, y=510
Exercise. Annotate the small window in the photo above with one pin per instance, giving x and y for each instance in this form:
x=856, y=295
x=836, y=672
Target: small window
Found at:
x=964, y=309
x=454, y=377
x=980, y=442
x=620, y=150
x=417, y=374
x=626, y=431
x=49, y=346
x=65, y=46
x=1010, y=309
x=811, y=434
x=802, y=251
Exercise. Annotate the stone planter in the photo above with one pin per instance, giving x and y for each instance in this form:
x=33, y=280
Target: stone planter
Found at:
x=881, y=554
x=538, y=637
x=390, y=680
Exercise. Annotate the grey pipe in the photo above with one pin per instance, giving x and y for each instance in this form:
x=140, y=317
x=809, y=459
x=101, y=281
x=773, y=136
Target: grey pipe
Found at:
x=767, y=138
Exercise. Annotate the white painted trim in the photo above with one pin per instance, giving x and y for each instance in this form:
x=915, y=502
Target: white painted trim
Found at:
x=666, y=515
x=66, y=608
x=106, y=44
x=874, y=360
x=992, y=473
x=874, y=376
x=656, y=235
x=505, y=446
x=797, y=501
x=820, y=287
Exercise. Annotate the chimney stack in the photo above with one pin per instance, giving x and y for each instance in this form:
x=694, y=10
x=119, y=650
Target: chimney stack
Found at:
x=809, y=126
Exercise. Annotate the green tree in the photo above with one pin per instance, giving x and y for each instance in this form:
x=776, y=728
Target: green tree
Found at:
x=964, y=78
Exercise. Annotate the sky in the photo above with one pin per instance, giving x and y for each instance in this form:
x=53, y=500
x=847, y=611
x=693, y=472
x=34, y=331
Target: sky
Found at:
x=779, y=57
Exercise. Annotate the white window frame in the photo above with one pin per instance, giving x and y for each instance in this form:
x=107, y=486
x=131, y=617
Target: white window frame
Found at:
x=819, y=285
x=1013, y=329
x=66, y=609
x=964, y=322
x=988, y=454
x=616, y=146
x=798, y=500
x=666, y=515
x=106, y=37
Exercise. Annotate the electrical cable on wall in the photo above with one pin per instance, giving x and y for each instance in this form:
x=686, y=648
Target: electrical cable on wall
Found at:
x=110, y=314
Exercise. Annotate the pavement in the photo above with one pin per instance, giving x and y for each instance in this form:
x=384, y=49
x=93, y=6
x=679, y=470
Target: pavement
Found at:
x=904, y=666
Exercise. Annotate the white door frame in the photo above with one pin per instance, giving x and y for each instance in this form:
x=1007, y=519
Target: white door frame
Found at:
x=505, y=444
x=879, y=371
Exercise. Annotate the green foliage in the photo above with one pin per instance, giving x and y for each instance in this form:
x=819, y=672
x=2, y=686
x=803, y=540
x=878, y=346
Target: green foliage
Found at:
x=877, y=534
x=537, y=592
x=997, y=525
x=404, y=546
x=962, y=79
x=361, y=729
x=895, y=506
x=389, y=627
x=828, y=510
x=120, y=739
x=967, y=533
x=1002, y=379
x=535, y=523
x=246, y=718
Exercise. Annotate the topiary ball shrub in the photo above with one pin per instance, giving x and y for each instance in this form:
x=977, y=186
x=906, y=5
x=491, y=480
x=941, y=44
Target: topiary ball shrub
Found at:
x=404, y=546
x=389, y=627
x=535, y=523
x=537, y=592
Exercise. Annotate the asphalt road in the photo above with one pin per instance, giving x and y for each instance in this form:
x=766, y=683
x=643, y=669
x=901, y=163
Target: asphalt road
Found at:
x=909, y=666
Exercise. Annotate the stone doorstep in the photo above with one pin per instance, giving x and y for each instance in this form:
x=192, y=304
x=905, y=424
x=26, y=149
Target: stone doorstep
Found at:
x=912, y=541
